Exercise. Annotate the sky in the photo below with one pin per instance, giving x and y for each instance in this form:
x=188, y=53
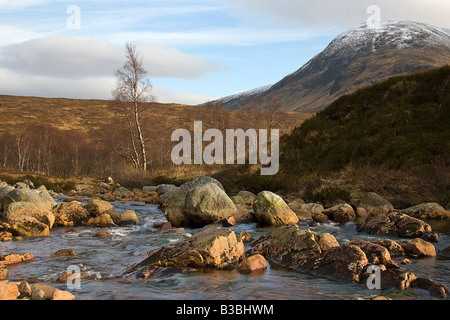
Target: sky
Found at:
x=194, y=51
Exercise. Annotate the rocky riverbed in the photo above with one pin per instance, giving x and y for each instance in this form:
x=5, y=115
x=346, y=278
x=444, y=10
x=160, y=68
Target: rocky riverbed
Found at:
x=197, y=242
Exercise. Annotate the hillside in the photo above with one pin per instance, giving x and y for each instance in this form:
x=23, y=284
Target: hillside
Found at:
x=69, y=137
x=355, y=59
x=392, y=138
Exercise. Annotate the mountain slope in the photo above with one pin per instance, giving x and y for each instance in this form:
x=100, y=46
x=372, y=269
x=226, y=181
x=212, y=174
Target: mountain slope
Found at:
x=392, y=138
x=355, y=59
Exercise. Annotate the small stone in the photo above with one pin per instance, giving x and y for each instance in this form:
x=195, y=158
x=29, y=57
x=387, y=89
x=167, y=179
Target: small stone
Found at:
x=103, y=234
x=64, y=253
x=254, y=263
x=24, y=290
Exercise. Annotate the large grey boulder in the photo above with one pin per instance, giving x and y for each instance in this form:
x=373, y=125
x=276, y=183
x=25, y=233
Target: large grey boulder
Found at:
x=270, y=209
x=39, y=197
x=207, y=203
x=375, y=204
x=17, y=210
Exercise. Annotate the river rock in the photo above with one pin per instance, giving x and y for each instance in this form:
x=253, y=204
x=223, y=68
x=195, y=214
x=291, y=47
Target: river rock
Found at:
x=19, y=209
x=270, y=209
x=8, y=291
x=375, y=204
x=375, y=253
x=14, y=258
x=3, y=272
x=129, y=214
x=237, y=200
x=311, y=252
x=206, y=204
x=97, y=207
x=395, y=249
x=101, y=221
x=341, y=213
x=3, y=192
x=50, y=293
x=395, y=224
x=214, y=248
x=252, y=264
x=248, y=197
x=40, y=198
x=419, y=247
x=310, y=211
x=172, y=199
x=70, y=214
x=123, y=193
x=425, y=211
x=26, y=226
x=24, y=290
x=6, y=236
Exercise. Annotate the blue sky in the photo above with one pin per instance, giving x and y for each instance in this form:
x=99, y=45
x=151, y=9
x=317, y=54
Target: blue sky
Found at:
x=194, y=50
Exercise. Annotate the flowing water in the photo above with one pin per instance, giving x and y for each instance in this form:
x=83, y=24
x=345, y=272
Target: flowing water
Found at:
x=105, y=259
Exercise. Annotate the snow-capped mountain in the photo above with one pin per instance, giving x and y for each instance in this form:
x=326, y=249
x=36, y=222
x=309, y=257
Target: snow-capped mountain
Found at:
x=357, y=58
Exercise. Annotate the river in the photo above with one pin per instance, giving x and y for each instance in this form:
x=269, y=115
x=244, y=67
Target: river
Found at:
x=105, y=259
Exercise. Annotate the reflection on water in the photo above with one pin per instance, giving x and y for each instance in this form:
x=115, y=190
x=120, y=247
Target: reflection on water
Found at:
x=107, y=258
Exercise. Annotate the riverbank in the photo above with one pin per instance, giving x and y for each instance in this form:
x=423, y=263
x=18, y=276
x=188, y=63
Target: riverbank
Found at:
x=104, y=257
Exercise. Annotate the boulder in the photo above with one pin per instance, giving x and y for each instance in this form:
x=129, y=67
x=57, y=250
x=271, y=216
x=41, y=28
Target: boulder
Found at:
x=213, y=248
x=395, y=249
x=419, y=247
x=311, y=252
x=64, y=253
x=8, y=291
x=248, y=197
x=375, y=204
x=237, y=200
x=97, y=207
x=6, y=236
x=26, y=226
x=427, y=211
x=174, y=214
x=270, y=209
x=307, y=211
x=206, y=204
x=3, y=272
x=14, y=258
x=28, y=209
x=70, y=214
x=375, y=253
x=3, y=192
x=24, y=290
x=340, y=213
x=129, y=214
x=101, y=221
x=395, y=224
x=122, y=192
x=169, y=195
x=252, y=264
x=39, y=197
x=45, y=292
x=149, y=188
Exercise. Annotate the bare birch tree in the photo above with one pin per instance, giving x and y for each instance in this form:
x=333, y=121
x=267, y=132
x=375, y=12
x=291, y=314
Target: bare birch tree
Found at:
x=132, y=89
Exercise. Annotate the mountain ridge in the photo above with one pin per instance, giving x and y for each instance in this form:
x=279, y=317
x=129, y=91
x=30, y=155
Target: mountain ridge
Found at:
x=357, y=58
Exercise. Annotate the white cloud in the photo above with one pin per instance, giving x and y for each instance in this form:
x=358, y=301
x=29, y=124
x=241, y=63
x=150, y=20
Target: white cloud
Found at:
x=87, y=88
x=237, y=36
x=346, y=13
x=18, y=4
x=72, y=57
